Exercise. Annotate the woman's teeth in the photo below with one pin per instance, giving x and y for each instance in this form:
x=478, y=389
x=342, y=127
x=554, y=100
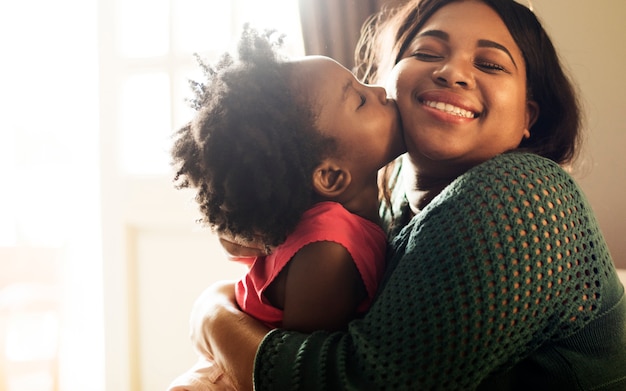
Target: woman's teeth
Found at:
x=450, y=109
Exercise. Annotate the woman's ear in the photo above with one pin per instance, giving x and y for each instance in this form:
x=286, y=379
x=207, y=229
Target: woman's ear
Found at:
x=330, y=179
x=532, y=113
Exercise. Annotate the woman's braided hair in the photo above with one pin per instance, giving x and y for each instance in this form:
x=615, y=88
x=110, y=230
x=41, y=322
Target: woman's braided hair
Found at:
x=252, y=147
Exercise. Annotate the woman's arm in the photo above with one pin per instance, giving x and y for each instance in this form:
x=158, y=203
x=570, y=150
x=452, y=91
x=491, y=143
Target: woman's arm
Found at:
x=219, y=329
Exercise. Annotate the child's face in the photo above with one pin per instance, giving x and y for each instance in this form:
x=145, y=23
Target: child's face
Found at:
x=365, y=124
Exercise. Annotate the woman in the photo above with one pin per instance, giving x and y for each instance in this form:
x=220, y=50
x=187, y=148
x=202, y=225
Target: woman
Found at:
x=501, y=279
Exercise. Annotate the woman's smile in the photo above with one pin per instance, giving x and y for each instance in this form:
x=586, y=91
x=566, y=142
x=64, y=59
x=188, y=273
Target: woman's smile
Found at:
x=452, y=104
x=460, y=86
x=449, y=109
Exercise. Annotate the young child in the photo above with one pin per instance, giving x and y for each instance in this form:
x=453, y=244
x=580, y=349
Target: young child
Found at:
x=286, y=153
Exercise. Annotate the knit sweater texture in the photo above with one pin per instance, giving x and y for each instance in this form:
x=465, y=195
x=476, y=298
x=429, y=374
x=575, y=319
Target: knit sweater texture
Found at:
x=503, y=282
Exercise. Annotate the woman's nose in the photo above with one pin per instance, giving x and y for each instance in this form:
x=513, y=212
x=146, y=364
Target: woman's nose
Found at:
x=454, y=73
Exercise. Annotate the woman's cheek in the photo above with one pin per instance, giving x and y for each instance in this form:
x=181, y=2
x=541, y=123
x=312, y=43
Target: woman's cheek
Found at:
x=391, y=83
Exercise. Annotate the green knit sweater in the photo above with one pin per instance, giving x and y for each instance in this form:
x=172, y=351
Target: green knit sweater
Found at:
x=503, y=282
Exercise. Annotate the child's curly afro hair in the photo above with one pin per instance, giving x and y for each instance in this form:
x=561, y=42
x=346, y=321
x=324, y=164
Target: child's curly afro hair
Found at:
x=252, y=147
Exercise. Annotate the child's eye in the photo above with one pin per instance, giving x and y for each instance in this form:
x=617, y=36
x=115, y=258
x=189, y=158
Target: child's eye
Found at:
x=363, y=100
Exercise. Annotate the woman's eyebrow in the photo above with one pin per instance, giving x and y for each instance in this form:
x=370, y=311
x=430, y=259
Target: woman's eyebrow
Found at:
x=435, y=33
x=485, y=43
x=482, y=43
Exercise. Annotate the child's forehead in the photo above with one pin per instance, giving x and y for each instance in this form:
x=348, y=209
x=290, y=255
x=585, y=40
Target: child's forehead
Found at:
x=313, y=76
x=318, y=67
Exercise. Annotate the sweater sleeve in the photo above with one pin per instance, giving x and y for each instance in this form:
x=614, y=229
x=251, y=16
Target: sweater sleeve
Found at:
x=505, y=259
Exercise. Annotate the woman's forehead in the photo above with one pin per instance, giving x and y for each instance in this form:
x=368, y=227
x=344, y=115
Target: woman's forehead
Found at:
x=470, y=19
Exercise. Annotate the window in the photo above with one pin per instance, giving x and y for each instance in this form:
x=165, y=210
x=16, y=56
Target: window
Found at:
x=152, y=57
x=155, y=258
x=91, y=90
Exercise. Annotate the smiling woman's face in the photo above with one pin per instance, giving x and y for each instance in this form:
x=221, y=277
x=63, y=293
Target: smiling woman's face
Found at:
x=461, y=90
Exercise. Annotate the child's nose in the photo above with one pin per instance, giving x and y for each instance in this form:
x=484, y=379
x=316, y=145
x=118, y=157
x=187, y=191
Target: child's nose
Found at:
x=380, y=93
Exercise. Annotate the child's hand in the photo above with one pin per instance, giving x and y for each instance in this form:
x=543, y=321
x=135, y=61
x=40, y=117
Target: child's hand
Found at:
x=239, y=250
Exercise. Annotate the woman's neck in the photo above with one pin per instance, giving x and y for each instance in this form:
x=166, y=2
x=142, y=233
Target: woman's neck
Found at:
x=421, y=186
x=419, y=196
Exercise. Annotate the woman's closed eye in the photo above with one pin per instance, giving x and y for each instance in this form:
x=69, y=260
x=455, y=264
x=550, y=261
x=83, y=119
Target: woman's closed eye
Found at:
x=489, y=66
x=427, y=56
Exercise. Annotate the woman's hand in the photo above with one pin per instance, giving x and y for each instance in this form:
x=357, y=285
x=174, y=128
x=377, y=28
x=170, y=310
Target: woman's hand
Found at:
x=205, y=308
x=222, y=332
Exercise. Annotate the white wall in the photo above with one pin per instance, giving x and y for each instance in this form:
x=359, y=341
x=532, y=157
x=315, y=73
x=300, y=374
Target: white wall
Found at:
x=590, y=35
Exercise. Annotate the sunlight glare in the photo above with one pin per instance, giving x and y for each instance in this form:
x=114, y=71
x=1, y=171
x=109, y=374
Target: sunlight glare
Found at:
x=142, y=28
x=145, y=124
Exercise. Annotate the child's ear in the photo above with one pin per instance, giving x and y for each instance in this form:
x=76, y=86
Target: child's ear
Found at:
x=330, y=179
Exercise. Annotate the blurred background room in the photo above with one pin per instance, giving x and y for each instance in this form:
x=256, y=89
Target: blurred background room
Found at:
x=100, y=257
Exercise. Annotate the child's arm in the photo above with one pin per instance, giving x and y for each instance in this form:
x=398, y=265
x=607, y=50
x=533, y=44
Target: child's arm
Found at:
x=319, y=289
